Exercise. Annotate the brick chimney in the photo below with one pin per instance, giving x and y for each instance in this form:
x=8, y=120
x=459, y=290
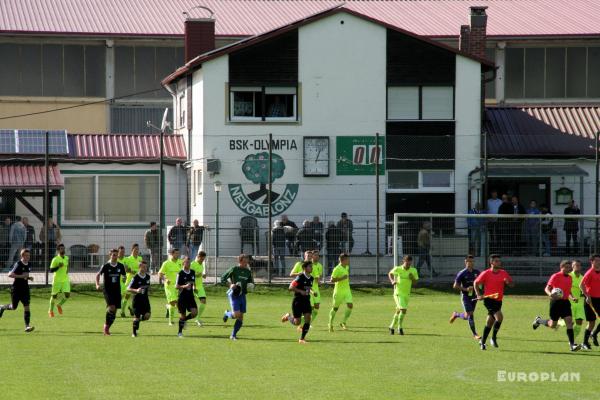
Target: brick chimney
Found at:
x=477, y=36
x=199, y=37
x=465, y=32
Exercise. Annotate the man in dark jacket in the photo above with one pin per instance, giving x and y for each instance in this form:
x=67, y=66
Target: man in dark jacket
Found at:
x=305, y=238
x=278, y=238
x=194, y=238
x=290, y=228
x=571, y=227
x=151, y=239
x=177, y=237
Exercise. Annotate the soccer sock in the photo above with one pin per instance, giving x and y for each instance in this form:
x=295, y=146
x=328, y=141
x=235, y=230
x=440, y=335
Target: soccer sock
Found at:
x=291, y=319
x=136, y=325
x=586, y=336
x=171, y=313
x=471, y=321
x=315, y=312
x=577, y=329
x=305, y=329
x=201, y=308
x=401, y=319
x=596, y=330
x=27, y=317
x=496, y=329
x=229, y=314
x=394, y=321
x=51, y=309
x=462, y=315
x=188, y=317
x=63, y=301
x=543, y=322
x=332, y=316
x=347, y=315
x=571, y=336
x=486, y=333
x=181, y=325
x=237, y=326
x=110, y=318
x=123, y=305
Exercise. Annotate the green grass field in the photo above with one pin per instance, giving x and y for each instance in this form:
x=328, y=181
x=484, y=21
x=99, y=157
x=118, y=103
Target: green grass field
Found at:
x=68, y=358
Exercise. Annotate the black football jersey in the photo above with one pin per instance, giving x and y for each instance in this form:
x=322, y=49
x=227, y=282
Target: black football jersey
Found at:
x=302, y=282
x=183, y=278
x=20, y=268
x=138, y=281
x=112, y=276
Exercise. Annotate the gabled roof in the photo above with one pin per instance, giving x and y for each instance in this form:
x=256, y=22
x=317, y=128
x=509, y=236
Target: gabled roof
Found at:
x=542, y=131
x=239, y=18
x=197, y=61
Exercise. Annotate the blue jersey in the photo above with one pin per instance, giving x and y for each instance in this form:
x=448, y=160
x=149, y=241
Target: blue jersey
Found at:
x=466, y=279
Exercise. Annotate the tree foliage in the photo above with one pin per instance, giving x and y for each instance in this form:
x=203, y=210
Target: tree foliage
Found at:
x=256, y=167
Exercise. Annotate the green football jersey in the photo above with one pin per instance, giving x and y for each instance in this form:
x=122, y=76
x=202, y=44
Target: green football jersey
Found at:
x=61, y=275
x=402, y=279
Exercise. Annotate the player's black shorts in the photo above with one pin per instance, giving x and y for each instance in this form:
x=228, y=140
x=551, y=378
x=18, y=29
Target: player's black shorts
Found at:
x=141, y=305
x=493, y=306
x=186, y=302
x=590, y=315
x=19, y=294
x=560, y=309
x=113, y=298
x=301, y=306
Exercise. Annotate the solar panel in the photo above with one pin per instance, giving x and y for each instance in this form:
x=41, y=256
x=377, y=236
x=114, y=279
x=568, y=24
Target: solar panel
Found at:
x=34, y=142
x=7, y=141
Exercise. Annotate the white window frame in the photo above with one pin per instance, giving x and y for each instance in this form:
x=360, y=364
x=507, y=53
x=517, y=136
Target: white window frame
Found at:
x=98, y=219
x=420, y=103
x=267, y=90
x=421, y=188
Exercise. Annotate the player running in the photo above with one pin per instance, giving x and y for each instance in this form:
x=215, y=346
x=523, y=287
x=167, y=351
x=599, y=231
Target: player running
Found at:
x=560, y=307
x=113, y=273
x=168, y=274
x=493, y=280
x=239, y=279
x=20, y=289
x=60, y=281
x=302, y=286
x=139, y=286
x=186, y=285
x=131, y=264
x=317, y=273
x=341, y=291
x=590, y=288
x=464, y=282
x=198, y=267
x=402, y=278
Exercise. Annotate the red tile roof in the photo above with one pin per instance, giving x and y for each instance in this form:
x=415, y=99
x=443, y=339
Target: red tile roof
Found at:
x=126, y=147
x=542, y=131
x=29, y=176
x=442, y=18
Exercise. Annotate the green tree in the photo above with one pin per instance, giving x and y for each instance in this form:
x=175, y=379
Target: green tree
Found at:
x=256, y=170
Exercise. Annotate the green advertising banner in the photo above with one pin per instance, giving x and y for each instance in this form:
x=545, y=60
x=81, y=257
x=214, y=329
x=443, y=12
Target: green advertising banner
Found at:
x=357, y=155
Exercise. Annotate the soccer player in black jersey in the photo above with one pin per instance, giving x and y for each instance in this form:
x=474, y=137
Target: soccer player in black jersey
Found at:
x=20, y=288
x=113, y=273
x=301, y=307
x=139, y=286
x=186, y=284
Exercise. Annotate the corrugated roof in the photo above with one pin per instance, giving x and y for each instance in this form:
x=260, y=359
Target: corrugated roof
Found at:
x=538, y=131
x=130, y=147
x=29, y=176
x=439, y=18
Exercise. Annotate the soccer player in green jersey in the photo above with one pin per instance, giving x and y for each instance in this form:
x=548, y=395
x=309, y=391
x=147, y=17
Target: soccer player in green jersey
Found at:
x=131, y=264
x=239, y=279
x=341, y=291
x=199, y=292
x=168, y=274
x=402, y=278
x=60, y=281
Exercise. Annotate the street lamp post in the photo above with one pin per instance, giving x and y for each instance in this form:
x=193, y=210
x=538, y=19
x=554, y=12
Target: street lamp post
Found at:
x=217, y=185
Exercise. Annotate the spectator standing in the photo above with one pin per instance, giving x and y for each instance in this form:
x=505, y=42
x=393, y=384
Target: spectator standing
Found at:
x=290, y=228
x=477, y=231
x=424, y=248
x=532, y=229
x=30, y=236
x=318, y=230
x=278, y=239
x=346, y=228
x=177, y=237
x=493, y=206
x=4, y=242
x=332, y=239
x=194, y=238
x=305, y=238
x=571, y=227
x=547, y=226
x=54, y=237
x=152, y=242
x=16, y=238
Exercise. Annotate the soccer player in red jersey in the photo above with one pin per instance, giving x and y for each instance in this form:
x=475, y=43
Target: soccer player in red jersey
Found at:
x=590, y=288
x=493, y=280
x=560, y=306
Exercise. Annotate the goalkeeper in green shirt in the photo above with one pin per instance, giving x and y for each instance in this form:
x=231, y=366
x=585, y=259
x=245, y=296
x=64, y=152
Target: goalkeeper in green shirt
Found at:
x=239, y=279
x=402, y=278
x=60, y=281
x=340, y=276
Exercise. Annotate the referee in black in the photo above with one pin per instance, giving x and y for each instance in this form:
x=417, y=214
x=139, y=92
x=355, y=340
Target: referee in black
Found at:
x=20, y=288
x=301, y=307
x=186, y=284
x=139, y=286
x=113, y=273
